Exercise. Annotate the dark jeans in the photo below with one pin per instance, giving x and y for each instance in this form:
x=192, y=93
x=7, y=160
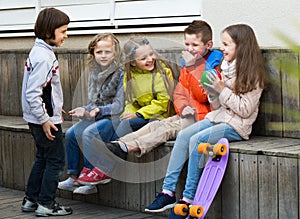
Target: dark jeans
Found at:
x=128, y=126
x=48, y=166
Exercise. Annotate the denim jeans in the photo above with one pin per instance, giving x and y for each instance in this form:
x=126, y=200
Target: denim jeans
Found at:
x=79, y=136
x=48, y=166
x=128, y=126
x=186, y=147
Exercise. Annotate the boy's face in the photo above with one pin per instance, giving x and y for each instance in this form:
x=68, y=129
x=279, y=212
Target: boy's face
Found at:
x=60, y=34
x=195, y=46
x=104, y=53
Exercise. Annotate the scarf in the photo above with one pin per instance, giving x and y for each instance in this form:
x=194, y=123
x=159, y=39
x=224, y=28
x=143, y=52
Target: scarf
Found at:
x=228, y=69
x=103, y=84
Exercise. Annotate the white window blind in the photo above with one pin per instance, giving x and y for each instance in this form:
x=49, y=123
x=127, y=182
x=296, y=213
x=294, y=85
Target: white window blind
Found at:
x=17, y=17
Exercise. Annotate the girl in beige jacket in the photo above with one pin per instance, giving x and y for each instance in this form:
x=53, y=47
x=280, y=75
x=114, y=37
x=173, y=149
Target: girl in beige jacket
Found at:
x=234, y=101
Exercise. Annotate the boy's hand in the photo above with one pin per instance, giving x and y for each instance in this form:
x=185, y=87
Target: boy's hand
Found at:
x=188, y=111
x=189, y=58
x=47, y=126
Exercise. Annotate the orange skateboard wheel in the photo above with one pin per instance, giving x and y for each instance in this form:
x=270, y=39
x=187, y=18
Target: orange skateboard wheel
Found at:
x=181, y=209
x=196, y=211
x=203, y=148
x=220, y=149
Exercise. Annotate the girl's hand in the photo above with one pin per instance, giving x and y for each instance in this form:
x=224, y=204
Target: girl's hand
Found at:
x=94, y=112
x=78, y=112
x=128, y=116
x=189, y=58
x=216, y=84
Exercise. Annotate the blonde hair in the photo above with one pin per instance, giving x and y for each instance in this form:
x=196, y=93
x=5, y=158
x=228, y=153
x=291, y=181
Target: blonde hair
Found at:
x=115, y=43
x=129, y=52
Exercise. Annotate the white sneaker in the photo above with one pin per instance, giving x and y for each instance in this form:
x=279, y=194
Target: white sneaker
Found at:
x=86, y=190
x=28, y=205
x=56, y=210
x=67, y=185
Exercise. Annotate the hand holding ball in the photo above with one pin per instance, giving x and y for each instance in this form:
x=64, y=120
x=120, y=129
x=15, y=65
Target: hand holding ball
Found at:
x=205, y=77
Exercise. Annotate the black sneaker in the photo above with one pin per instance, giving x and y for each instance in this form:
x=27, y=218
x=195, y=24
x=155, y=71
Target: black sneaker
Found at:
x=28, y=205
x=115, y=148
x=56, y=210
x=161, y=203
x=172, y=215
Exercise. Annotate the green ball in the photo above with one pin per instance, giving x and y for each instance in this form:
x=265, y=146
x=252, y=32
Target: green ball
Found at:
x=204, y=78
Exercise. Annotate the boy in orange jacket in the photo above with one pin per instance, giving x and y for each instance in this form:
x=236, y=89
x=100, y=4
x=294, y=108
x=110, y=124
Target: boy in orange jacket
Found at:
x=190, y=100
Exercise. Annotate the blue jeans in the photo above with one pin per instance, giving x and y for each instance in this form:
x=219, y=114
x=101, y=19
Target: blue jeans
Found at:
x=186, y=147
x=96, y=152
x=128, y=126
x=82, y=133
x=48, y=166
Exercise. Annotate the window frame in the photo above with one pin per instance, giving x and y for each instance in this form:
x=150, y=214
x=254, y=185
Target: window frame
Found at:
x=118, y=16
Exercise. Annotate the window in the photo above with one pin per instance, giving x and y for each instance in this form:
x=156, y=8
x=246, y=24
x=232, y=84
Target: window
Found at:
x=17, y=17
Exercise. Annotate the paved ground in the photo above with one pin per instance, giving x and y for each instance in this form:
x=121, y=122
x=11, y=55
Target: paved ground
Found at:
x=10, y=207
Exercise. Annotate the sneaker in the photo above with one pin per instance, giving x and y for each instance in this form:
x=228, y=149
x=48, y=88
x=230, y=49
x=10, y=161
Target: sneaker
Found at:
x=172, y=215
x=56, y=210
x=67, y=185
x=161, y=203
x=115, y=148
x=28, y=205
x=86, y=190
x=85, y=171
x=94, y=177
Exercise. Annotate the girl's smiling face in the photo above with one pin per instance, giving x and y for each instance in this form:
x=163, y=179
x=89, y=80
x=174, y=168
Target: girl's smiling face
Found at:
x=144, y=58
x=104, y=52
x=228, y=47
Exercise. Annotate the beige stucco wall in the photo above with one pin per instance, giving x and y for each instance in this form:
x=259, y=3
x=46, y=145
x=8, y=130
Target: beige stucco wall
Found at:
x=265, y=16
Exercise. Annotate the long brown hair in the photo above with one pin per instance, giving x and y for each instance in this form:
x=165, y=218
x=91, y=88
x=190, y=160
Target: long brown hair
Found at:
x=250, y=66
x=129, y=52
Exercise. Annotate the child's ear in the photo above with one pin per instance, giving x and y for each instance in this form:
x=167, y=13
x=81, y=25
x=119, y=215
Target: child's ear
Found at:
x=210, y=44
x=132, y=63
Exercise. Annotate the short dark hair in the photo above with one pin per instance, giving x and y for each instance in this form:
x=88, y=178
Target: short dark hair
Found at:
x=200, y=27
x=47, y=21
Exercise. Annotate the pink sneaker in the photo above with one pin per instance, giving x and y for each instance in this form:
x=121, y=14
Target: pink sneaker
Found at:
x=85, y=171
x=94, y=177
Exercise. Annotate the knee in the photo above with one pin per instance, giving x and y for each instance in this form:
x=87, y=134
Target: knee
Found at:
x=180, y=134
x=195, y=141
x=69, y=133
x=86, y=135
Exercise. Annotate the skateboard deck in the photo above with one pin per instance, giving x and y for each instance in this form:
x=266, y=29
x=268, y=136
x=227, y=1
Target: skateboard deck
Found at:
x=210, y=180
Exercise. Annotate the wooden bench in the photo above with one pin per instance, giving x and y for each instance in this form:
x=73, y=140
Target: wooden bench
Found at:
x=261, y=181
x=262, y=178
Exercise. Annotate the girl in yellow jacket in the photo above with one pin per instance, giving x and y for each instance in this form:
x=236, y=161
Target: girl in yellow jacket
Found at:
x=148, y=86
